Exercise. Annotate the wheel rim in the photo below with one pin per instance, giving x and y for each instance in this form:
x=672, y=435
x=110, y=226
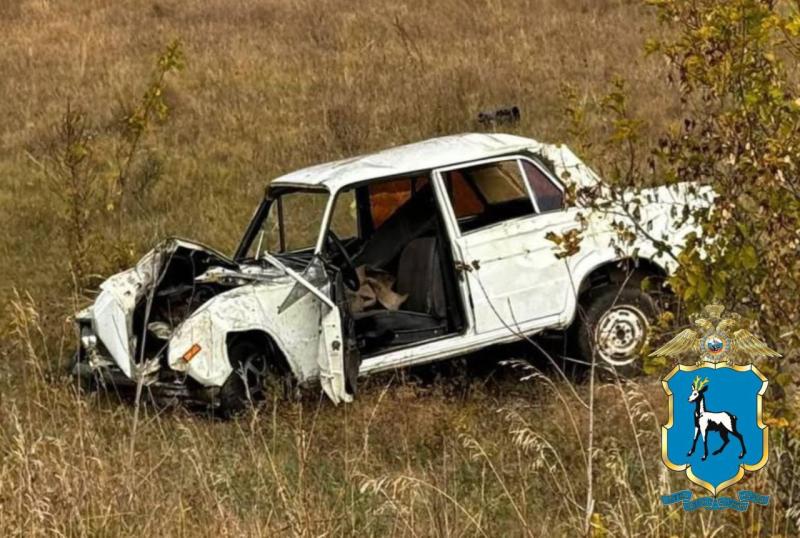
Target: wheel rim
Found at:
x=620, y=334
x=253, y=371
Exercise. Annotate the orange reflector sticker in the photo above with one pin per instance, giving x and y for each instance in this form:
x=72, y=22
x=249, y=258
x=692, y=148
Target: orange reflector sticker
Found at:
x=189, y=355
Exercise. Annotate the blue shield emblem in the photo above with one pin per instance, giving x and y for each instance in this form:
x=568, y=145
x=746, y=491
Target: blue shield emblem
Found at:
x=715, y=432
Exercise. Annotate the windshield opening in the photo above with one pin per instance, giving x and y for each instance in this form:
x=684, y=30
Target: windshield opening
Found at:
x=291, y=224
x=291, y=220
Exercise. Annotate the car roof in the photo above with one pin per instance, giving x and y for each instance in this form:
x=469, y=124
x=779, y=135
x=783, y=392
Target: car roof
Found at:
x=406, y=159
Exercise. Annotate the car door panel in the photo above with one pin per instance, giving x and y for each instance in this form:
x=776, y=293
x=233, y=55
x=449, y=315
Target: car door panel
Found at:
x=516, y=278
x=511, y=272
x=331, y=357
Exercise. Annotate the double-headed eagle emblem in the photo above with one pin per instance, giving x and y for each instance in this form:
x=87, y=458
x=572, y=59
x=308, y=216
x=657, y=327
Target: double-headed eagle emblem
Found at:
x=717, y=339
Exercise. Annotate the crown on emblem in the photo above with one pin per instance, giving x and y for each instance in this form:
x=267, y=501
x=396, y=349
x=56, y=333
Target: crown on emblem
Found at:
x=698, y=384
x=714, y=311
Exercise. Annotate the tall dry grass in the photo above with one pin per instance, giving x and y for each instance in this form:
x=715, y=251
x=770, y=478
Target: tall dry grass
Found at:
x=268, y=87
x=506, y=458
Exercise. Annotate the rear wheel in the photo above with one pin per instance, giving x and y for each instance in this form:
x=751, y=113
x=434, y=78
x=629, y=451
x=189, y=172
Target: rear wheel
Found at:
x=246, y=383
x=613, y=326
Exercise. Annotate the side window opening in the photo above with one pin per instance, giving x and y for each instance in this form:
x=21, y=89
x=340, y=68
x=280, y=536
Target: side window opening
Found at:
x=371, y=219
x=466, y=200
x=548, y=196
x=499, y=182
x=386, y=197
x=486, y=194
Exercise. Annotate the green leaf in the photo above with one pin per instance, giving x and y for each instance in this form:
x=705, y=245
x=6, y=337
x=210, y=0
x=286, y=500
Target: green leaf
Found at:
x=748, y=257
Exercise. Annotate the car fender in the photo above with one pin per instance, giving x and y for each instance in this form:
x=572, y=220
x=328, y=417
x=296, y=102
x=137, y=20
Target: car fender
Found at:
x=656, y=217
x=253, y=307
x=581, y=266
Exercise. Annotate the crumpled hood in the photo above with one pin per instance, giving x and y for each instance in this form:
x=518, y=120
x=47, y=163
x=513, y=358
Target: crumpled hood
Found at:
x=112, y=314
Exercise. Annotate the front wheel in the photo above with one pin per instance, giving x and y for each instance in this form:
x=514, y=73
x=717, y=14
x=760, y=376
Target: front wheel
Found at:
x=80, y=373
x=613, y=327
x=247, y=381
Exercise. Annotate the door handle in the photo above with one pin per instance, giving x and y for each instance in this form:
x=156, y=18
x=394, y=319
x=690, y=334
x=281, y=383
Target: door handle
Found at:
x=462, y=267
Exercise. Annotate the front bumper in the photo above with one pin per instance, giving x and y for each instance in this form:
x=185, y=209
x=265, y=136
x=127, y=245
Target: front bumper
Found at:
x=95, y=369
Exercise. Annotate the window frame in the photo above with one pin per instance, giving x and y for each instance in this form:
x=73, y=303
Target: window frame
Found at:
x=326, y=224
x=270, y=202
x=550, y=177
x=328, y=216
x=444, y=196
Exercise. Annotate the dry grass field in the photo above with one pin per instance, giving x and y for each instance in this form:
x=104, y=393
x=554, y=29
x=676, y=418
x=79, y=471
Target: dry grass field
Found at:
x=273, y=86
x=270, y=86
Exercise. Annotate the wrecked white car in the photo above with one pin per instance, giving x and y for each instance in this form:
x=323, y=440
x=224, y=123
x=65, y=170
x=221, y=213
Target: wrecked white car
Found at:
x=406, y=256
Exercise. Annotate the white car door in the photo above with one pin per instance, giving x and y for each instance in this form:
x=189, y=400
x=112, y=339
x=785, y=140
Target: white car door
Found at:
x=331, y=357
x=512, y=275
x=334, y=348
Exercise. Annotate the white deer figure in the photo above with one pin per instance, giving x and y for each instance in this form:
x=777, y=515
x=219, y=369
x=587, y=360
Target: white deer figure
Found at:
x=706, y=421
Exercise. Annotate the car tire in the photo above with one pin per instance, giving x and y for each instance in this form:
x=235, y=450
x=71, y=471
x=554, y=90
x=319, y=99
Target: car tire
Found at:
x=85, y=383
x=246, y=383
x=612, y=326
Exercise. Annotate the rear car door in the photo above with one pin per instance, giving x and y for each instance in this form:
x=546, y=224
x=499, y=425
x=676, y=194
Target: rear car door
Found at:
x=499, y=212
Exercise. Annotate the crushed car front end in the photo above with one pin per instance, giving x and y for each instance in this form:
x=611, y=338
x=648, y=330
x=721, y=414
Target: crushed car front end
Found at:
x=130, y=334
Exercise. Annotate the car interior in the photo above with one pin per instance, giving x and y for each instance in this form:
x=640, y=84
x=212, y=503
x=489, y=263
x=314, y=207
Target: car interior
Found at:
x=388, y=241
x=401, y=236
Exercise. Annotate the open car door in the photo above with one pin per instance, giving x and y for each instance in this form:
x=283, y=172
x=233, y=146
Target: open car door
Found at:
x=337, y=354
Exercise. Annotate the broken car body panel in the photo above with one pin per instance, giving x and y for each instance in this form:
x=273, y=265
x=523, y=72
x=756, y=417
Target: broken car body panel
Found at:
x=505, y=275
x=112, y=312
x=252, y=307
